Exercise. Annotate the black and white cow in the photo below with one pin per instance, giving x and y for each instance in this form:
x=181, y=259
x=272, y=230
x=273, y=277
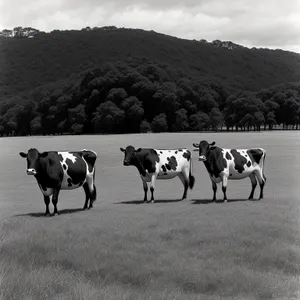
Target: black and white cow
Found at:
x=232, y=164
x=55, y=171
x=155, y=164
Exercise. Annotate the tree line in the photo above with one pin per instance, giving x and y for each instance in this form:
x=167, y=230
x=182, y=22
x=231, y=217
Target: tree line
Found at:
x=141, y=95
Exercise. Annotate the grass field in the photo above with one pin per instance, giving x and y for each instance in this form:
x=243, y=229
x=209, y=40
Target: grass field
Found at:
x=122, y=249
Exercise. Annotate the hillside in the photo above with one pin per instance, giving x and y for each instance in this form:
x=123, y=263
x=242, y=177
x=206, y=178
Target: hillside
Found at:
x=60, y=55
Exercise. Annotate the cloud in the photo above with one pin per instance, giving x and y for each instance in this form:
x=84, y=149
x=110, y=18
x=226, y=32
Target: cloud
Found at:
x=258, y=23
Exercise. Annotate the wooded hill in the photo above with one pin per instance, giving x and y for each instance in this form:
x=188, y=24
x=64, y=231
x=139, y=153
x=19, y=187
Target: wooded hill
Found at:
x=127, y=80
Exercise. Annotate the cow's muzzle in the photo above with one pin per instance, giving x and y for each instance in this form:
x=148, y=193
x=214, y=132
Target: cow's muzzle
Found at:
x=31, y=172
x=126, y=163
x=202, y=158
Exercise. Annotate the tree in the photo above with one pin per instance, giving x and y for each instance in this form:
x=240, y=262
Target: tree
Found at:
x=134, y=113
x=181, y=120
x=116, y=95
x=199, y=121
x=270, y=113
x=159, y=123
x=77, y=118
x=36, y=125
x=145, y=127
x=215, y=118
x=77, y=128
x=108, y=118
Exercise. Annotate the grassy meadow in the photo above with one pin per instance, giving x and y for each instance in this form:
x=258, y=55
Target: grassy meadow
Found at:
x=124, y=249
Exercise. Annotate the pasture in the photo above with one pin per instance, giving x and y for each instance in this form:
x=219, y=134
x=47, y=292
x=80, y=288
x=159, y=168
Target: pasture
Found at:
x=124, y=249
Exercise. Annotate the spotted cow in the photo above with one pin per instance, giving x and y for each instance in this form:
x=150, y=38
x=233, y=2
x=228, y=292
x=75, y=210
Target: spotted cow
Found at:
x=155, y=164
x=232, y=164
x=55, y=171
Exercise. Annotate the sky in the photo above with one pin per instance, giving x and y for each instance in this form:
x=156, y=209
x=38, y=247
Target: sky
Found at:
x=251, y=23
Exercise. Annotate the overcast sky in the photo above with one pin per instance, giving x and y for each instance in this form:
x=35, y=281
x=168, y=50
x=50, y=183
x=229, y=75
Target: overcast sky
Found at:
x=252, y=23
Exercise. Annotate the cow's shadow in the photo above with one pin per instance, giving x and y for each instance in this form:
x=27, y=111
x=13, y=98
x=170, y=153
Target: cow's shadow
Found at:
x=137, y=202
x=208, y=201
x=42, y=214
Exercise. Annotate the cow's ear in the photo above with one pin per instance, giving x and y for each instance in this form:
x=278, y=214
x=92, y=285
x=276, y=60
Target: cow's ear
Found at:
x=213, y=143
x=44, y=154
x=122, y=149
x=195, y=145
x=138, y=150
x=23, y=154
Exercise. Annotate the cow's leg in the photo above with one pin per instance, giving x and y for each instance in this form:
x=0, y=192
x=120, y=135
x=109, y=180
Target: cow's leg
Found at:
x=254, y=184
x=87, y=195
x=224, y=187
x=185, y=182
x=262, y=181
x=145, y=187
x=214, y=187
x=47, y=201
x=55, y=200
x=152, y=186
x=92, y=192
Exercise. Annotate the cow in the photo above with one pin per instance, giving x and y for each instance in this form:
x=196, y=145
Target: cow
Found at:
x=155, y=164
x=232, y=164
x=55, y=171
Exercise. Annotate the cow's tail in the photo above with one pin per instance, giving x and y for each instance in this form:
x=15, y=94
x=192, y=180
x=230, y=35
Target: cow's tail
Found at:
x=263, y=166
x=94, y=192
x=191, y=177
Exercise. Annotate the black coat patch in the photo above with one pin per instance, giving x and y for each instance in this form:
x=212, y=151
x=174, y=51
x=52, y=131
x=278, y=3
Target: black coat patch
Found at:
x=145, y=160
x=49, y=179
x=215, y=162
x=248, y=164
x=255, y=155
x=172, y=163
x=239, y=160
x=69, y=182
x=187, y=155
x=65, y=167
x=228, y=156
x=164, y=168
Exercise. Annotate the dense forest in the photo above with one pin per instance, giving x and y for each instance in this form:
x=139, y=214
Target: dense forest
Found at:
x=110, y=80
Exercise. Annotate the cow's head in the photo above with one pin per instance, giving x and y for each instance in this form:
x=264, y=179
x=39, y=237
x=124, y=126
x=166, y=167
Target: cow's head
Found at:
x=203, y=147
x=130, y=155
x=33, y=160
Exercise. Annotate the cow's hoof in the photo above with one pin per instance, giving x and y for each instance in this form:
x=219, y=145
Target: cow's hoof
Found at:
x=55, y=214
x=47, y=214
x=225, y=200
